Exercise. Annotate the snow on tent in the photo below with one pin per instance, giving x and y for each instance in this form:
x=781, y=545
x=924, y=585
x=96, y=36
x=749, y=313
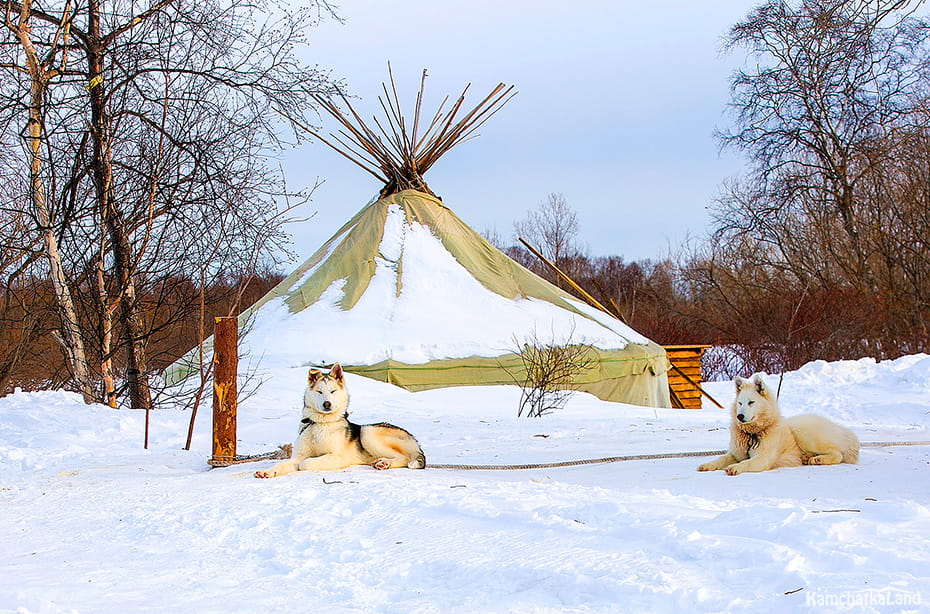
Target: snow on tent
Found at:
x=409, y=294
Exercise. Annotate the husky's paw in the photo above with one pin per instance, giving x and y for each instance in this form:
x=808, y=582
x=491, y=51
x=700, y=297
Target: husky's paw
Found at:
x=808, y=459
x=264, y=474
x=381, y=464
x=707, y=467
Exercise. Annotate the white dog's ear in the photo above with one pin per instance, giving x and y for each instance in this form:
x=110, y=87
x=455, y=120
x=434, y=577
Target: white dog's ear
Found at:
x=740, y=382
x=313, y=376
x=336, y=372
x=760, y=385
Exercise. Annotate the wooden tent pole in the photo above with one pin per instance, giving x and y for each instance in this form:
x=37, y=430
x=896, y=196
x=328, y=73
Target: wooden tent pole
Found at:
x=615, y=309
x=225, y=366
x=676, y=400
x=695, y=384
x=571, y=282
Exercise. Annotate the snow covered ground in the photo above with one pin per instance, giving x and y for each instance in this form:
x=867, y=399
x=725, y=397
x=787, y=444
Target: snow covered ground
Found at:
x=90, y=522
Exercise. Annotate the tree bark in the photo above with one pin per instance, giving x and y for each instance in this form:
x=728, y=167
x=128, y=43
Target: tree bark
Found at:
x=129, y=313
x=70, y=336
x=106, y=336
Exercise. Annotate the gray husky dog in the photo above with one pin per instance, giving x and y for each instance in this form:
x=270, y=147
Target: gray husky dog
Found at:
x=327, y=440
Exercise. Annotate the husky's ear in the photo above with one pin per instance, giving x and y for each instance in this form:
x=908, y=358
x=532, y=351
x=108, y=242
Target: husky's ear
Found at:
x=313, y=376
x=760, y=385
x=336, y=372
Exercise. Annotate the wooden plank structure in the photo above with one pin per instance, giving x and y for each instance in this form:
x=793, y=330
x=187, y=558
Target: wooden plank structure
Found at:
x=684, y=378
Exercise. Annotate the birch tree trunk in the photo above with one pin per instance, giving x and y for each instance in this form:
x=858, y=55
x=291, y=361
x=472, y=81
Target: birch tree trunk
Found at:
x=70, y=335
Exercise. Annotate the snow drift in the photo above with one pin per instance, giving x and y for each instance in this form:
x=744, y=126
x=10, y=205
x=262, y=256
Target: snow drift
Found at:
x=90, y=522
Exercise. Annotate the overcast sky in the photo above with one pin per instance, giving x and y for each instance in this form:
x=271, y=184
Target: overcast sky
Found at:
x=616, y=109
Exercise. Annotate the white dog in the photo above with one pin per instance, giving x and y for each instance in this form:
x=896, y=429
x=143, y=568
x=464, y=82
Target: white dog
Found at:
x=760, y=439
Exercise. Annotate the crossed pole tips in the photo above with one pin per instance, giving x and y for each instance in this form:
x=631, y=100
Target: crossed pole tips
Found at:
x=396, y=151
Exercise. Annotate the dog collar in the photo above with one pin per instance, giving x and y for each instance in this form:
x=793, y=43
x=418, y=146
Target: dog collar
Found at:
x=305, y=423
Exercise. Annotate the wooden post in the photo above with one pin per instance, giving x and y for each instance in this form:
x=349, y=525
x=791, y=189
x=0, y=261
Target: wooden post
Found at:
x=225, y=365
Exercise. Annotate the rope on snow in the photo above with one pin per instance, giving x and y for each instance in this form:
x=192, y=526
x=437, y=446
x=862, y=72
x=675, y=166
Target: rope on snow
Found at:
x=284, y=452
x=635, y=457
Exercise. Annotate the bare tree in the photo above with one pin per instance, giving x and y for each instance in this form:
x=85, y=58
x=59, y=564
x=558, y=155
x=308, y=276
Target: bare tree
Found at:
x=193, y=179
x=807, y=251
x=162, y=162
x=552, y=228
x=44, y=62
x=549, y=374
x=830, y=79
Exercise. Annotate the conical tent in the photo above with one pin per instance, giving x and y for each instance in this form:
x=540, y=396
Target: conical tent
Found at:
x=409, y=294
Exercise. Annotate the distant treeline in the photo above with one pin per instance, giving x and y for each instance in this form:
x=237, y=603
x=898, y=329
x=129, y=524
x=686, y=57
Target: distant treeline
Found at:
x=765, y=324
x=177, y=312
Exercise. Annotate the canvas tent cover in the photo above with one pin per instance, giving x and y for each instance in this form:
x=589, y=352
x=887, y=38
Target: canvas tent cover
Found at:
x=409, y=294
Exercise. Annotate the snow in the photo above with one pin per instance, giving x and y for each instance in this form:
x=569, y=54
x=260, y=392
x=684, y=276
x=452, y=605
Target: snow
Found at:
x=91, y=522
x=417, y=289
